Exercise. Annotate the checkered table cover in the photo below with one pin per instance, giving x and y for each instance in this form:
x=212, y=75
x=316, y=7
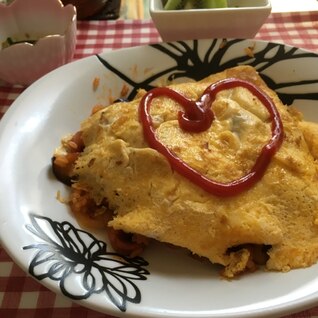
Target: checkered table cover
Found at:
x=23, y=297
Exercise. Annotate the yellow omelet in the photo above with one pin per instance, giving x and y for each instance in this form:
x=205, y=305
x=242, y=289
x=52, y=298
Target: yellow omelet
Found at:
x=278, y=214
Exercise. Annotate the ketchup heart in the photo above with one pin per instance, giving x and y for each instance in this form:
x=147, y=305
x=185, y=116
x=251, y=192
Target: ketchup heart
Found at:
x=197, y=116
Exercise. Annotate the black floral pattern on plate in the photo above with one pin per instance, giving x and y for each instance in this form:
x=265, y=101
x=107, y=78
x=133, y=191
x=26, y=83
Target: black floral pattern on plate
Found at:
x=81, y=263
x=189, y=62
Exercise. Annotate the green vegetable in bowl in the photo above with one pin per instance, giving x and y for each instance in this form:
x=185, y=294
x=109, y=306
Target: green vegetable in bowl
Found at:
x=194, y=4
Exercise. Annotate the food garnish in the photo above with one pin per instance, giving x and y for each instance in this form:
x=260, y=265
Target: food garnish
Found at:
x=196, y=117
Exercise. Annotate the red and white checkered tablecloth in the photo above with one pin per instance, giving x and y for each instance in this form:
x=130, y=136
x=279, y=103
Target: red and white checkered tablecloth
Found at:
x=20, y=295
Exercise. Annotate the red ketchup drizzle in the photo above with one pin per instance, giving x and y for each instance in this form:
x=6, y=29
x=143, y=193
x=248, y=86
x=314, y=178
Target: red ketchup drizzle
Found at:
x=196, y=117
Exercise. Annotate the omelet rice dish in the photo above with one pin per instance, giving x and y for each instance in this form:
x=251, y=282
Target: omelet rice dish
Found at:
x=278, y=215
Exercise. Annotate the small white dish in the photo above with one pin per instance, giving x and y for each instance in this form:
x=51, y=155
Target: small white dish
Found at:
x=43, y=237
x=241, y=19
x=36, y=37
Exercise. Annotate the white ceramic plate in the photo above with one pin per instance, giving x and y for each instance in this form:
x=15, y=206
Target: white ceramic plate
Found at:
x=44, y=239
